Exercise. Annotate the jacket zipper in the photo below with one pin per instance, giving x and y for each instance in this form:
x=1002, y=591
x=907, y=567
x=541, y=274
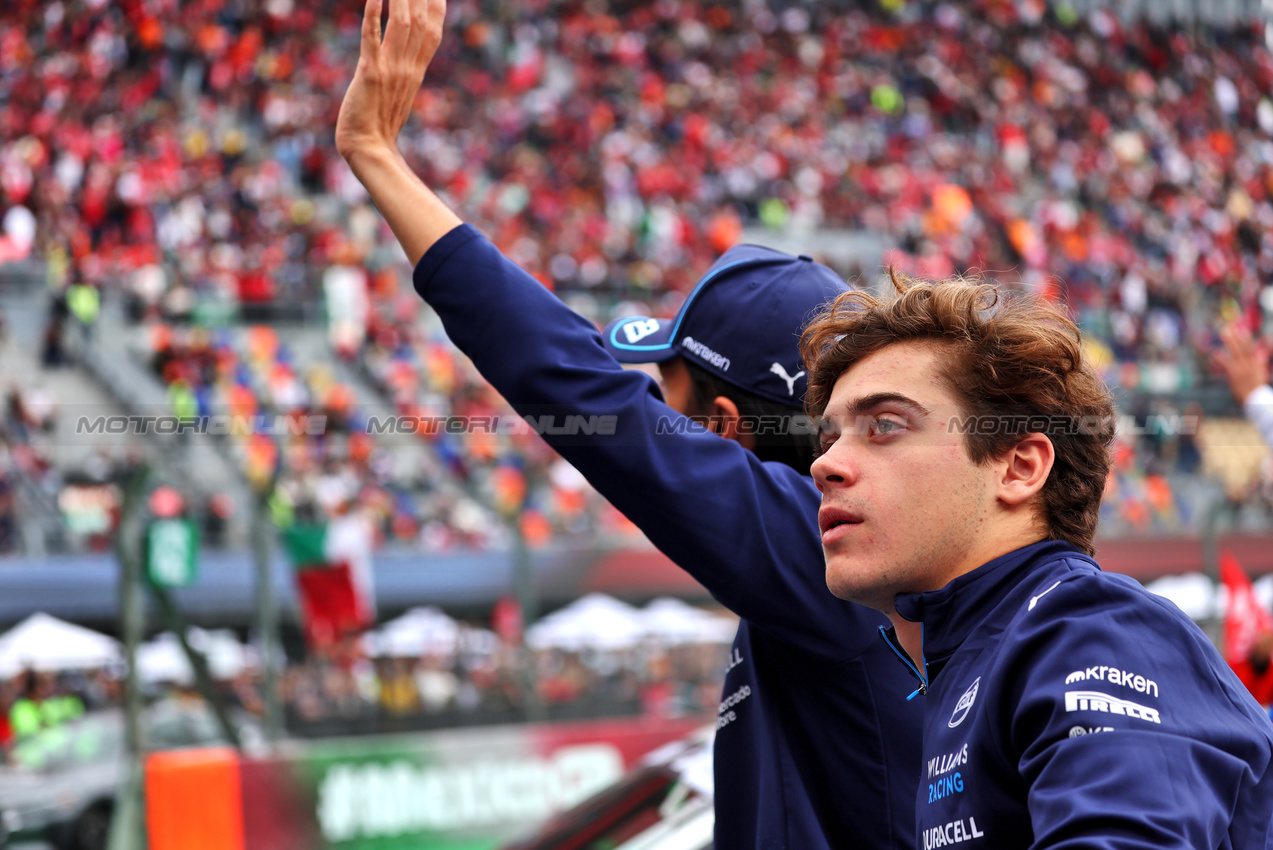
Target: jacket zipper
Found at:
x=910, y=665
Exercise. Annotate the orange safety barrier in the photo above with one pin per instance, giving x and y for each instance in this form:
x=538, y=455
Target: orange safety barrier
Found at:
x=193, y=800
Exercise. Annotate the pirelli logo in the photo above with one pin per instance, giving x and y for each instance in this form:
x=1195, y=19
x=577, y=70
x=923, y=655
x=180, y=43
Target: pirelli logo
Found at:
x=1097, y=701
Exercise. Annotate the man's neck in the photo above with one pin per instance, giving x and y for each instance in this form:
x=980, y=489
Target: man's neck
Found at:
x=910, y=636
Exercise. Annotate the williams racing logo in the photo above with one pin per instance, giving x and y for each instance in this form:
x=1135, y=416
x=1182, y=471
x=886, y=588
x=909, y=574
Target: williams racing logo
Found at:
x=965, y=704
x=639, y=329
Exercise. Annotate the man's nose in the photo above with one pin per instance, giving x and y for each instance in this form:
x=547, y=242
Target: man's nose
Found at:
x=834, y=467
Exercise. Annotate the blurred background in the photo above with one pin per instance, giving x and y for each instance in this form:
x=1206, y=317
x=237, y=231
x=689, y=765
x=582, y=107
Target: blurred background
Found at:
x=181, y=244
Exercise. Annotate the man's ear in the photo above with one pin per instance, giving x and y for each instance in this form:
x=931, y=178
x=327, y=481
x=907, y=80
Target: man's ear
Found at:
x=1025, y=469
x=727, y=422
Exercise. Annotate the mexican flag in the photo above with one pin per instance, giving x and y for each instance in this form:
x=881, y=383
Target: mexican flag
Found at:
x=333, y=577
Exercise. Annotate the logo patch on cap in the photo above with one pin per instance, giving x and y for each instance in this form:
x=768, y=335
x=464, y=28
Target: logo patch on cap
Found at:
x=779, y=370
x=639, y=329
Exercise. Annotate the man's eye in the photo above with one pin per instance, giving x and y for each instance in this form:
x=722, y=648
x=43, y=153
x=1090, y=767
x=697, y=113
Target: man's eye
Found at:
x=885, y=426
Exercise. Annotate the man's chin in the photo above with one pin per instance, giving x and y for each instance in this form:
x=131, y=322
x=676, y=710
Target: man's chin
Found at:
x=851, y=588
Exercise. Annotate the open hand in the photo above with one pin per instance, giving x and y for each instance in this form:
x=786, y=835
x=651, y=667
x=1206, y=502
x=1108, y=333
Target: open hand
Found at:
x=1244, y=363
x=389, y=74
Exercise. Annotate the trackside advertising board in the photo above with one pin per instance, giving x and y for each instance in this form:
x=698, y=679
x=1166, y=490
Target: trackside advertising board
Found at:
x=466, y=789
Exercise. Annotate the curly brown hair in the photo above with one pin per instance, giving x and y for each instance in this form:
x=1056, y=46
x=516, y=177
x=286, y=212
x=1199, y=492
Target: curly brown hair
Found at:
x=1015, y=361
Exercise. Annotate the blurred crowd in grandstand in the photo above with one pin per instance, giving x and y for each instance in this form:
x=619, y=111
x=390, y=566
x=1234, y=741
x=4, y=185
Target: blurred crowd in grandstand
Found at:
x=178, y=156
x=343, y=691
x=333, y=689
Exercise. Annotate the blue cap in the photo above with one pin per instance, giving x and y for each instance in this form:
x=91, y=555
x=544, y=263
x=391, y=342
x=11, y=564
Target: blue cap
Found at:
x=742, y=321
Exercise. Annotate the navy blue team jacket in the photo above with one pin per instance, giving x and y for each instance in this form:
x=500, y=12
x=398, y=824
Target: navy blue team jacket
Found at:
x=816, y=745
x=1068, y=707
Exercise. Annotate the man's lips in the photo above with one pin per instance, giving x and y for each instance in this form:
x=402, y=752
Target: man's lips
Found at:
x=829, y=518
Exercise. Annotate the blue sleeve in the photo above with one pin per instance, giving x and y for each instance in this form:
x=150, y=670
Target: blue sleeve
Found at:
x=746, y=530
x=1128, y=729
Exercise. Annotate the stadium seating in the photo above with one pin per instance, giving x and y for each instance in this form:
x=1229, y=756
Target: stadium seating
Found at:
x=179, y=157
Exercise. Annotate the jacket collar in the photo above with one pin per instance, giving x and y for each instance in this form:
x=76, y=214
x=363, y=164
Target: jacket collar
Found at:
x=950, y=613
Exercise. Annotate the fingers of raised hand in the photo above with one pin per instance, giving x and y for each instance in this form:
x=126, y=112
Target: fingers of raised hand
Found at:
x=409, y=27
x=1238, y=343
x=436, y=15
x=371, y=29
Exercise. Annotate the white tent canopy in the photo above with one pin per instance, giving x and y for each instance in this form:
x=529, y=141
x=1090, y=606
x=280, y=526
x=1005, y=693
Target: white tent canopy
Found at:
x=674, y=621
x=598, y=621
x=44, y=642
x=595, y=621
x=420, y=631
x=163, y=659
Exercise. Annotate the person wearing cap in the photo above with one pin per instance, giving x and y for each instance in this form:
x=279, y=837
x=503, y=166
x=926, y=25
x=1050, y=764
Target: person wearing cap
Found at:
x=728, y=360
x=816, y=746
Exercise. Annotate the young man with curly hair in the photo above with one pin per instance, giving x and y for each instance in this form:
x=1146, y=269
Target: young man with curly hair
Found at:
x=964, y=458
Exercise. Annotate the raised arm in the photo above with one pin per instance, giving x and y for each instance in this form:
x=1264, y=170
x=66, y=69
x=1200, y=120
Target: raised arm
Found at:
x=376, y=108
x=747, y=530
